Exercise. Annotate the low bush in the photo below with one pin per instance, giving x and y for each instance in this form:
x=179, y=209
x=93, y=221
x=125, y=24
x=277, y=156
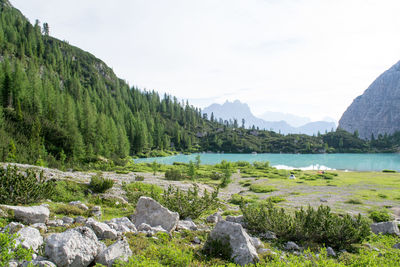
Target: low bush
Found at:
x=67, y=191
x=218, y=248
x=10, y=251
x=69, y=210
x=189, y=204
x=17, y=187
x=261, y=188
x=319, y=226
x=354, y=201
x=380, y=215
x=135, y=190
x=174, y=174
x=98, y=184
x=275, y=199
x=389, y=171
x=139, y=178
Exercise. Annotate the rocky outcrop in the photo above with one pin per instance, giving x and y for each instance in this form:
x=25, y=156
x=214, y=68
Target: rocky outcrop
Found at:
x=377, y=110
x=241, y=244
x=118, y=251
x=151, y=212
x=30, y=215
x=73, y=248
x=121, y=225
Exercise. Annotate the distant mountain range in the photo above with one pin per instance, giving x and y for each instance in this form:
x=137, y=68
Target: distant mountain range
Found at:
x=238, y=110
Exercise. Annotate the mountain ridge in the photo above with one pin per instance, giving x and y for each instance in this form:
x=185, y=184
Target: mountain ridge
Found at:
x=238, y=110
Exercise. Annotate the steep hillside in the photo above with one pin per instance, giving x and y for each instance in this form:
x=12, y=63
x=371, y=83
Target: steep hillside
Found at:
x=377, y=111
x=61, y=103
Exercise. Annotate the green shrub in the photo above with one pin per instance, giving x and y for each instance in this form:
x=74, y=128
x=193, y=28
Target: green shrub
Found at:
x=275, y=199
x=19, y=188
x=216, y=175
x=239, y=200
x=380, y=215
x=354, y=201
x=389, y=171
x=174, y=174
x=139, y=178
x=189, y=204
x=9, y=251
x=135, y=190
x=67, y=191
x=98, y=184
x=319, y=226
x=218, y=248
x=382, y=195
x=69, y=210
x=261, y=188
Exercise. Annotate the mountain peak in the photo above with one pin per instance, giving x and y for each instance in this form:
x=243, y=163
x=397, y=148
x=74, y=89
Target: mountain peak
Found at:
x=377, y=110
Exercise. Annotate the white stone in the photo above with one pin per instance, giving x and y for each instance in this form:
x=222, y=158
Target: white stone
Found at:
x=79, y=204
x=291, y=246
x=243, y=251
x=55, y=223
x=102, y=230
x=76, y=247
x=154, y=214
x=119, y=250
x=38, y=263
x=29, y=237
x=122, y=225
x=13, y=227
x=30, y=215
x=214, y=218
x=330, y=252
x=68, y=220
x=385, y=228
x=186, y=225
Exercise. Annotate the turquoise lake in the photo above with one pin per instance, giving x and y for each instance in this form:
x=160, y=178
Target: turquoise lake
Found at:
x=351, y=162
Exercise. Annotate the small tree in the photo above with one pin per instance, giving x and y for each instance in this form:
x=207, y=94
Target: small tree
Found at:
x=154, y=167
x=198, y=161
x=191, y=172
x=46, y=29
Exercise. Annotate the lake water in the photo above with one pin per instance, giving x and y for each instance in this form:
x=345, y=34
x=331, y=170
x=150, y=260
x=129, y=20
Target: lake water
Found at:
x=352, y=162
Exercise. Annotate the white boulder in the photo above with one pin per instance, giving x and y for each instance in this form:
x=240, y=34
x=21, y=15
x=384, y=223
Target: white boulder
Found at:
x=30, y=215
x=122, y=225
x=119, y=250
x=385, y=228
x=29, y=237
x=186, y=225
x=154, y=214
x=102, y=230
x=76, y=247
x=243, y=250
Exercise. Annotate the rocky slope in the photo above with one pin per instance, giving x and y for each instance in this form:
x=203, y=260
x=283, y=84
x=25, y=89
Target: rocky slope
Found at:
x=377, y=110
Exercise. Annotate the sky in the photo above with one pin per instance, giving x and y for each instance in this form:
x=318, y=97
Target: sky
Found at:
x=305, y=57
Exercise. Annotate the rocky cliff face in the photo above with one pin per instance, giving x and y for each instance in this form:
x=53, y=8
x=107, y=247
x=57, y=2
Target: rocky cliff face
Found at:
x=377, y=111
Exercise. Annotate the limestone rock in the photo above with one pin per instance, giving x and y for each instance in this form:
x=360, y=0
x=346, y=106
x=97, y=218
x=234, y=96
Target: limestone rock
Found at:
x=268, y=235
x=396, y=246
x=122, y=225
x=186, y=225
x=330, y=252
x=29, y=237
x=74, y=248
x=39, y=263
x=243, y=251
x=79, y=204
x=68, y=220
x=96, y=211
x=385, y=228
x=145, y=228
x=13, y=227
x=55, y=223
x=30, y=215
x=80, y=219
x=154, y=214
x=40, y=226
x=214, y=218
x=119, y=250
x=377, y=110
x=102, y=230
x=292, y=246
x=236, y=219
